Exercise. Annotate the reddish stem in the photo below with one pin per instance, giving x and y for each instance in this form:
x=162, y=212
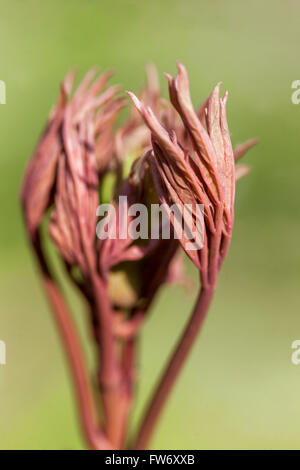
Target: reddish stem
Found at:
x=94, y=436
x=112, y=387
x=174, y=368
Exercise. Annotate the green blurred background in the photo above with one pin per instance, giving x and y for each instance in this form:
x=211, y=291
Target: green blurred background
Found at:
x=239, y=388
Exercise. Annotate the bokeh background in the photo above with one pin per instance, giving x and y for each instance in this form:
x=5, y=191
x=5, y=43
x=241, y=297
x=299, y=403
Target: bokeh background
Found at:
x=239, y=388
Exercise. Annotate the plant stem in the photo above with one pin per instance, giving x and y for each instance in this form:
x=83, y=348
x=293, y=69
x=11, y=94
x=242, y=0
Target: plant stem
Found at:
x=112, y=385
x=94, y=436
x=174, y=367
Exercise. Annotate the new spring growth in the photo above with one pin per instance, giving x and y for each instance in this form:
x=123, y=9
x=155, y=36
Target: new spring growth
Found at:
x=164, y=152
